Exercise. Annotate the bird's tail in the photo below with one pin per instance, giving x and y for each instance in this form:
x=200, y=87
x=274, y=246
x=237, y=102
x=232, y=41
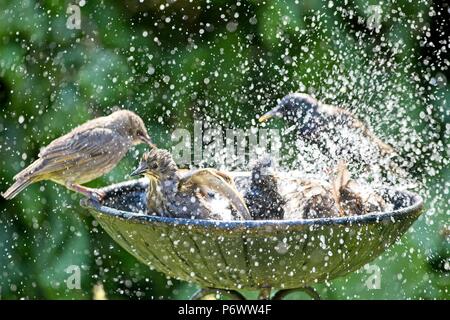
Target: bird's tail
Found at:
x=16, y=188
x=23, y=179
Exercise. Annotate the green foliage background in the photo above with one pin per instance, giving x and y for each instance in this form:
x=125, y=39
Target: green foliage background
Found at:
x=153, y=58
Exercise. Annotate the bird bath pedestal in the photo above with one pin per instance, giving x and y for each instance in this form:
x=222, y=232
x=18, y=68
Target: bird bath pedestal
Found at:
x=226, y=256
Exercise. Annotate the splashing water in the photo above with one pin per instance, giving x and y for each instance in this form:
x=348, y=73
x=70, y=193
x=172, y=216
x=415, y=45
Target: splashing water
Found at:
x=225, y=64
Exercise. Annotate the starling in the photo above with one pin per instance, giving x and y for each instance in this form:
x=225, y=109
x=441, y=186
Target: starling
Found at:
x=84, y=154
x=334, y=130
x=310, y=199
x=185, y=195
x=263, y=198
x=353, y=198
x=340, y=196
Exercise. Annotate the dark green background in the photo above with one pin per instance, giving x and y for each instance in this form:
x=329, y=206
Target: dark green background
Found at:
x=252, y=52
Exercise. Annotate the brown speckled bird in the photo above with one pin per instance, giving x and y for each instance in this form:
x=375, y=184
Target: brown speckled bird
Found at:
x=184, y=195
x=84, y=154
x=340, y=196
x=353, y=198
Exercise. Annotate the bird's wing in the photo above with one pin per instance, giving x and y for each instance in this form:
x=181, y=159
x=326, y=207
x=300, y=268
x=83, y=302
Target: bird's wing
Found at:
x=225, y=176
x=341, y=180
x=384, y=147
x=79, y=148
x=193, y=176
x=358, y=124
x=75, y=140
x=219, y=182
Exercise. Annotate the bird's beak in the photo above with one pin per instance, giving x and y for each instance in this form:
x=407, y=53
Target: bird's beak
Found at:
x=274, y=113
x=139, y=170
x=146, y=139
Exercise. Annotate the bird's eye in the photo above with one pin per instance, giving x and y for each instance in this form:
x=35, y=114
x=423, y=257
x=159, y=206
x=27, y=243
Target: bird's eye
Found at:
x=154, y=166
x=139, y=133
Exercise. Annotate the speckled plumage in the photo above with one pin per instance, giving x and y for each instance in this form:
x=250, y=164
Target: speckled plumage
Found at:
x=333, y=129
x=263, y=198
x=310, y=199
x=337, y=196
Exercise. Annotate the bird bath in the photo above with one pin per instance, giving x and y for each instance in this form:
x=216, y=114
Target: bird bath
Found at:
x=225, y=256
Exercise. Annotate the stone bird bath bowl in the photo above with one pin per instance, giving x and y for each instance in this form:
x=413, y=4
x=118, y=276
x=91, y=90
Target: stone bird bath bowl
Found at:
x=287, y=255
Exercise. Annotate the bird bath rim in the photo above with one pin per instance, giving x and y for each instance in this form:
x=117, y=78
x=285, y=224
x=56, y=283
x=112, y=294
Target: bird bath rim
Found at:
x=374, y=217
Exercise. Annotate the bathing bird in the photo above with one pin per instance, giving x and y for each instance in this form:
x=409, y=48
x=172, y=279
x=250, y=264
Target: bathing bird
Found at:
x=337, y=196
x=309, y=199
x=336, y=131
x=354, y=198
x=185, y=195
x=263, y=198
x=84, y=154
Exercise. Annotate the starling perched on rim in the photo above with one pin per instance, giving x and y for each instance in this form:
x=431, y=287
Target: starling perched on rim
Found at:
x=263, y=198
x=332, y=128
x=185, y=195
x=84, y=154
